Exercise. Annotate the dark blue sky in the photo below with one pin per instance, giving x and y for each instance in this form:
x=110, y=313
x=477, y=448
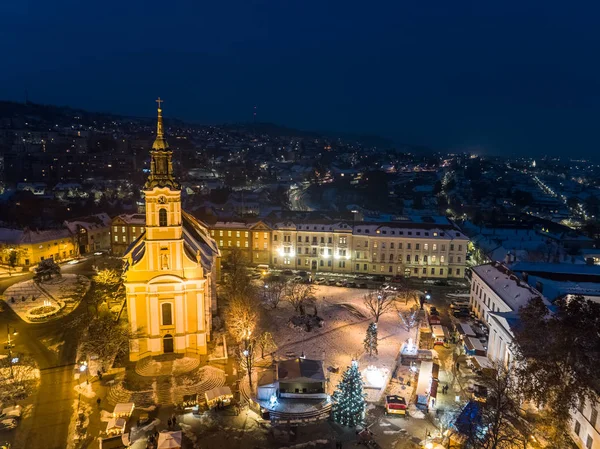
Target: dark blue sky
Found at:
x=501, y=76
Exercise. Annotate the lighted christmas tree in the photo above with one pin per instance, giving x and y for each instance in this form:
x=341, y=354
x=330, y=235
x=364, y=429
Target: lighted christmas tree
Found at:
x=349, y=399
x=371, y=339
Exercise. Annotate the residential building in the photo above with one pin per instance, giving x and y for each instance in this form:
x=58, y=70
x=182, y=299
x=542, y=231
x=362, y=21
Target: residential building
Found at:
x=251, y=238
x=34, y=246
x=170, y=269
x=126, y=229
x=91, y=233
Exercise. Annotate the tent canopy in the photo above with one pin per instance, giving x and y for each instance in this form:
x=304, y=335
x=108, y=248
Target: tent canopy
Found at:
x=169, y=440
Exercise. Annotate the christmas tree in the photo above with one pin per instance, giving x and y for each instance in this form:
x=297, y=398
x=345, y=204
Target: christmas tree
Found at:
x=349, y=399
x=371, y=339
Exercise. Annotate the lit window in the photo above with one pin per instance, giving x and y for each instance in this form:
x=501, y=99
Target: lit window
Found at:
x=115, y=228
x=435, y=246
x=425, y=246
x=228, y=233
x=246, y=244
x=441, y=259
x=237, y=243
x=220, y=242
x=124, y=239
x=116, y=238
x=220, y=233
x=122, y=228
x=133, y=229
x=237, y=233
x=265, y=235
x=162, y=217
x=246, y=233
x=265, y=245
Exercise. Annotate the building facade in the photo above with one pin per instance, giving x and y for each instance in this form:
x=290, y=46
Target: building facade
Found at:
x=390, y=249
x=170, y=270
x=91, y=233
x=252, y=239
x=31, y=247
x=126, y=229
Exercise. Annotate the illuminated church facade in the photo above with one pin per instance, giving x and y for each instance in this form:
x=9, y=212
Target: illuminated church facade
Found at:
x=170, y=270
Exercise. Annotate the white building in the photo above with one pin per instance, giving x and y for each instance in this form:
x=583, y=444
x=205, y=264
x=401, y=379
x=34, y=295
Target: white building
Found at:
x=496, y=296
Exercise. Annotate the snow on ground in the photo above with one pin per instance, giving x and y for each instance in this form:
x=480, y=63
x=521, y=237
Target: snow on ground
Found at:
x=69, y=288
x=341, y=337
x=85, y=389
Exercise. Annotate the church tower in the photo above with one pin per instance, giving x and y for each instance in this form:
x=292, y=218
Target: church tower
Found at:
x=170, y=270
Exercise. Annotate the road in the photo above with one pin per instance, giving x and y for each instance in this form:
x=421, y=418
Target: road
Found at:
x=49, y=412
x=297, y=200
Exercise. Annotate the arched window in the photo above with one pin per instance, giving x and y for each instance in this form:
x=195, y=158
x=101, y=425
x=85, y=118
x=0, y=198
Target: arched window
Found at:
x=167, y=315
x=162, y=217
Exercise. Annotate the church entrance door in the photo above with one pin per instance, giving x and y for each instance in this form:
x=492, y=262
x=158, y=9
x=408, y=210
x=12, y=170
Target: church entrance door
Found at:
x=167, y=343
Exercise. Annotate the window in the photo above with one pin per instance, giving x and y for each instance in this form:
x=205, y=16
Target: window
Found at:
x=416, y=258
x=299, y=239
x=443, y=247
x=228, y=242
x=237, y=243
x=441, y=271
x=451, y=246
x=594, y=417
x=228, y=233
x=441, y=259
x=425, y=246
x=343, y=240
x=275, y=260
x=417, y=246
x=424, y=270
x=322, y=239
x=408, y=246
x=124, y=239
x=408, y=258
x=237, y=233
x=299, y=262
x=122, y=228
x=449, y=271
x=133, y=229
x=162, y=217
x=329, y=263
x=246, y=234
x=265, y=245
x=577, y=428
x=221, y=243
x=265, y=235
x=458, y=271
x=589, y=442
x=450, y=259
x=416, y=270
x=330, y=240
x=434, y=246
x=357, y=267
x=275, y=238
x=115, y=228
x=392, y=245
x=425, y=258
x=433, y=271
x=256, y=235
x=220, y=233
x=400, y=245
x=460, y=247
x=365, y=267
x=433, y=259
x=167, y=314
x=458, y=259
x=116, y=238
x=246, y=244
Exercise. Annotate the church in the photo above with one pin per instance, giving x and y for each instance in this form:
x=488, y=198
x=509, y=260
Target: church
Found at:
x=170, y=270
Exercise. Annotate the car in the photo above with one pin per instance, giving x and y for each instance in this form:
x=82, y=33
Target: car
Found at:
x=462, y=313
x=287, y=272
x=441, y=282
x=339, y=284
x=459, y=305
x=320, y=281
x=351, y=285
x=361, y=276
x=13, y=412
x=363, y=285
x=434, y=311
x=302, y=273
x=298, y=279
x=331, y=282
x=74, y=261
x=8, y=424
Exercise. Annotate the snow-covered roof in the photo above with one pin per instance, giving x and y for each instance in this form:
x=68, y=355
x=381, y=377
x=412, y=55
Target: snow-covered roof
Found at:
x=91, y=222
x=562, y=268
x=137, y=219
x=300, y=368
x=555, y=289
x=507, y=286
x=169, y=440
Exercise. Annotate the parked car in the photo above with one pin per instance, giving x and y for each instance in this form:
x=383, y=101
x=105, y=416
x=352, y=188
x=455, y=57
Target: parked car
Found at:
x=461, y=313
x=331, y=282
x=351, y=285
x=298, y=279
x=13, y=412
x=363, y=285
x=442, y=282
x=320, y=281
x=433, y=311
x=340, y=283
x=8, y=424
x=287, y=272
x=459, y=305
x=302, y=273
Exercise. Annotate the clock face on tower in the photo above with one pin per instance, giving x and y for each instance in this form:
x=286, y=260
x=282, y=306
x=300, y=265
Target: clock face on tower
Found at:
x=162, y=200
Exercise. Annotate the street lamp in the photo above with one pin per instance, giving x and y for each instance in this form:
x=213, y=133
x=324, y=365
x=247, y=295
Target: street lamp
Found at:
x=83, y=366
x=9, y=346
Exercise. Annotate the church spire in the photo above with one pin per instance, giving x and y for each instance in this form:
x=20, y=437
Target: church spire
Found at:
x=160, y=143
x=161, y=165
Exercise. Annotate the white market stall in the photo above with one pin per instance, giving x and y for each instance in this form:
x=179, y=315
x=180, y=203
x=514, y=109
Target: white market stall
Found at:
x=115, y=426
x=222, y=394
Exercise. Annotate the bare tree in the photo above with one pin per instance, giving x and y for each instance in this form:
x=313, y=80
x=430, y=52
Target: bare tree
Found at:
x=18, y=380
x=107, y=286
x=106, y=338
x=266, y=342
x=241, y=319
x=299, y=294
x=246, y=357
x=378, y=302
x=274, y=291
x=236, y=283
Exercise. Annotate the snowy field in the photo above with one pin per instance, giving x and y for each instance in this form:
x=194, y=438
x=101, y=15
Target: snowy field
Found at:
x=341, y=337
x=69, y=288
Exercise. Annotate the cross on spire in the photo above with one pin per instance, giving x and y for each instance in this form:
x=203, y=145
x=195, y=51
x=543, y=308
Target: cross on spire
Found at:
x=159, y=101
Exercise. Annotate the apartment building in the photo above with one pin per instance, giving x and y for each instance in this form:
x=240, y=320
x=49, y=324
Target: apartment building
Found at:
x=407, y=249
x=251, y=238
x=126, y=229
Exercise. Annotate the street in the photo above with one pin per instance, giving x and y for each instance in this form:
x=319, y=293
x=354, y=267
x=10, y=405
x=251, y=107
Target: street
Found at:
x=49, y=411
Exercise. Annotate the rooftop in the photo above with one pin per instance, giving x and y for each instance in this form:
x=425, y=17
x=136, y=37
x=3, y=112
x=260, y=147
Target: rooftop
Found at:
x=300, y=368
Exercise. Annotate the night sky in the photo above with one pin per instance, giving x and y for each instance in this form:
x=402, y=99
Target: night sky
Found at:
x=494, y=76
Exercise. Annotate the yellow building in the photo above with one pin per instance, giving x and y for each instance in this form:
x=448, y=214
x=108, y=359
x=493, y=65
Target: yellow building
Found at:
x=252, y=238
x=32, y=247
x=170, y=269
x=126, y=229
